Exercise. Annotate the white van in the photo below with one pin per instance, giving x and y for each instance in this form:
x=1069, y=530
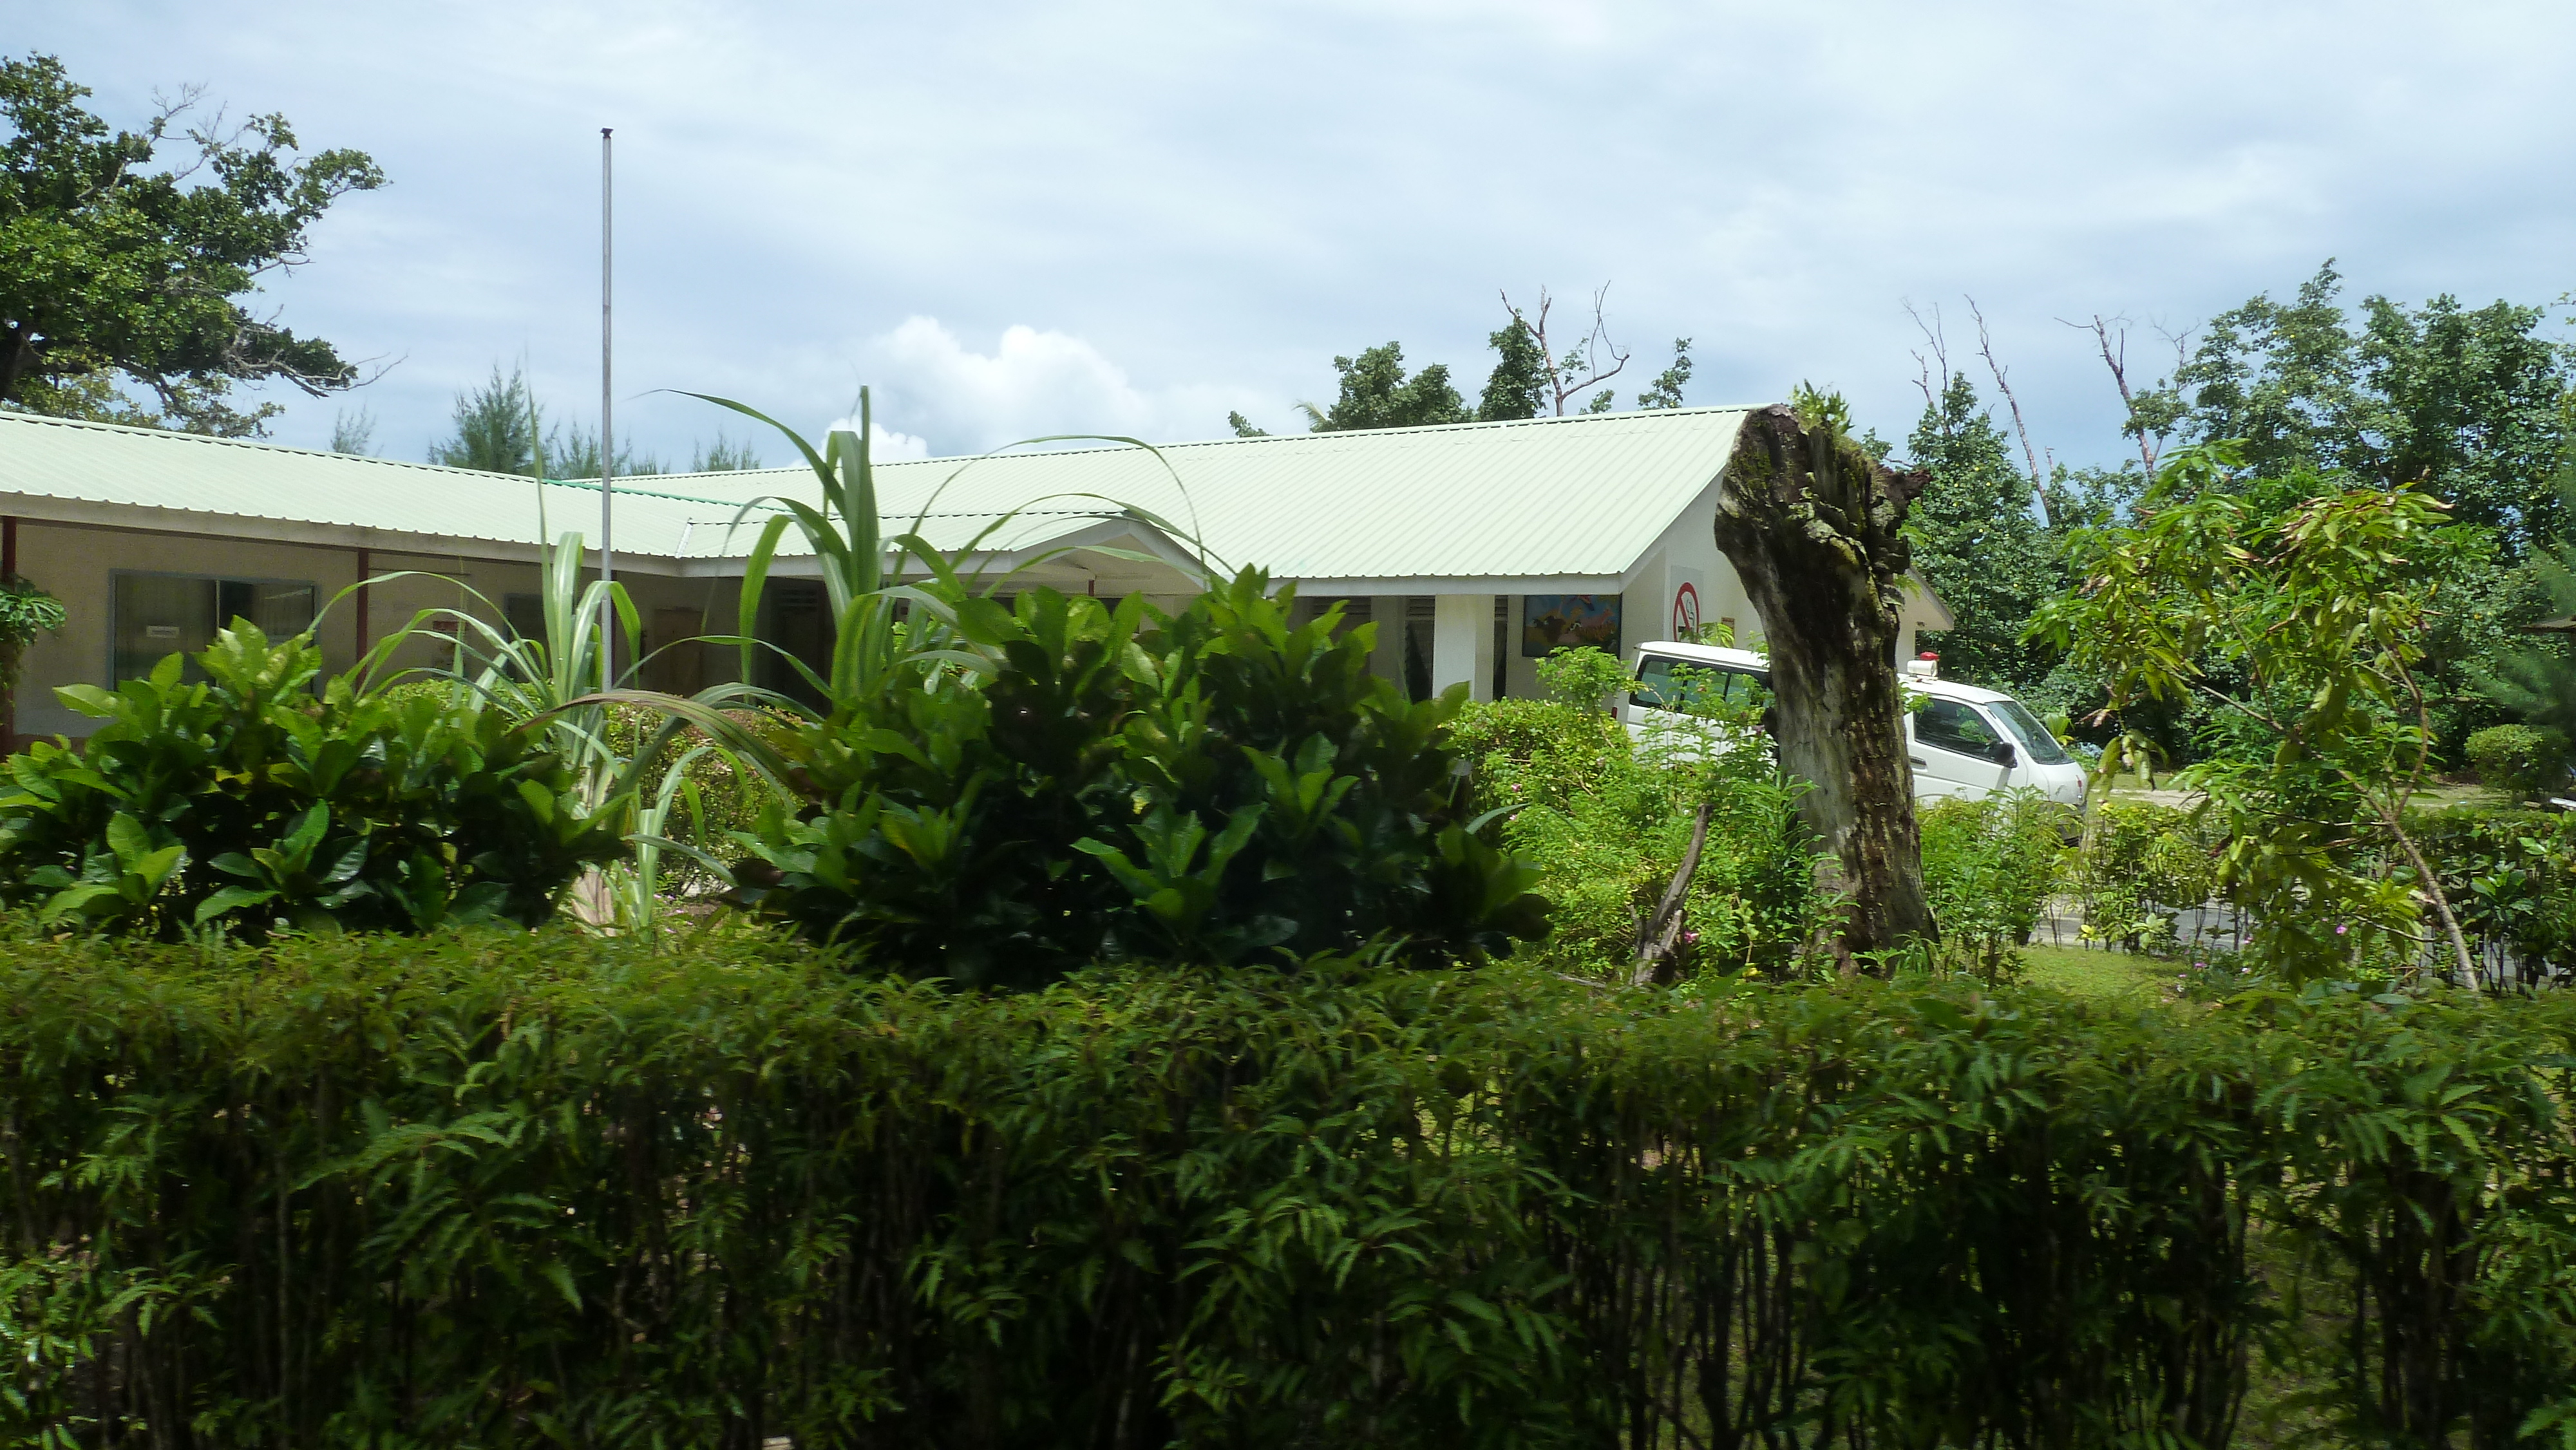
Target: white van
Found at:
x=1964, y=741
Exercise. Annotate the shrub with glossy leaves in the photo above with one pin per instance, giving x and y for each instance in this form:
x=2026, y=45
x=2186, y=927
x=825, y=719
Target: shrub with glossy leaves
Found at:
x=247, y=800
x=1216, y=785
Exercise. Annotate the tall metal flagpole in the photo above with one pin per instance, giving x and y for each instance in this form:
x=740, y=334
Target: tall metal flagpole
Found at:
x=607, y=437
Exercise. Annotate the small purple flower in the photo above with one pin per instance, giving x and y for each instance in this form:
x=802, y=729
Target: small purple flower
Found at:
x=2339, y=930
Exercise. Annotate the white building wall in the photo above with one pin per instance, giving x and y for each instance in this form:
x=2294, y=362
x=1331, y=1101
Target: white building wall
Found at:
x=1685, y=554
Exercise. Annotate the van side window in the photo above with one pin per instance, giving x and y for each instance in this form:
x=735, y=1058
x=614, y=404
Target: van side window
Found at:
x=1950, y=725
x=1670, y=684
x=1656, y=689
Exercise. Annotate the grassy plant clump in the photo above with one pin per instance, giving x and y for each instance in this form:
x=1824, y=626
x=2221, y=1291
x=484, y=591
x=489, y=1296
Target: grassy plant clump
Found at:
x=1989, y=867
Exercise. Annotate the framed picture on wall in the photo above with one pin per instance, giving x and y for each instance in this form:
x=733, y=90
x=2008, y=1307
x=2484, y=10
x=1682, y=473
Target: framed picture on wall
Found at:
x=1551, y=622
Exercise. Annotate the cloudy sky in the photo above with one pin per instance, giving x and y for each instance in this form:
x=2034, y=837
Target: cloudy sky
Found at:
x=1014, y=219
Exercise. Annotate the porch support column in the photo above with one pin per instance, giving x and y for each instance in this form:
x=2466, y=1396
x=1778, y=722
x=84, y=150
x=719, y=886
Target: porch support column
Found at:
x=1462, y=644
x=1386, y=660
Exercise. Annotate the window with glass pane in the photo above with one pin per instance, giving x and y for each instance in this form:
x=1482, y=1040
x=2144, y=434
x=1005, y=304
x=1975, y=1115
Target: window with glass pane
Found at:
x=525, y=614
x=158, y=615
x=1950, y=725
x=2043, y=746
x=1670, y=684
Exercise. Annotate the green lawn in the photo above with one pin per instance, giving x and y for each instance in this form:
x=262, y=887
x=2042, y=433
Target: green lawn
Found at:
x=2109, y=976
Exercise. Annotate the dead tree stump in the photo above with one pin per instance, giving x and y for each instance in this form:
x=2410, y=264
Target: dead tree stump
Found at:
x=1810, y=523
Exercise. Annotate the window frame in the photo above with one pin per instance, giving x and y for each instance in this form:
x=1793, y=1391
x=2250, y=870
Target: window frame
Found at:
x=116, y=607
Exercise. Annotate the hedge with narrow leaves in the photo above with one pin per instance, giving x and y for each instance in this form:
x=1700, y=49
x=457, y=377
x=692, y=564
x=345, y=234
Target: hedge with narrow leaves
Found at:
x=514, y=1189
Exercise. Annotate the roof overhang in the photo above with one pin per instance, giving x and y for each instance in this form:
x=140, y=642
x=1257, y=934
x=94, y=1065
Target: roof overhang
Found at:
x=1535, y=584
x=192, y=523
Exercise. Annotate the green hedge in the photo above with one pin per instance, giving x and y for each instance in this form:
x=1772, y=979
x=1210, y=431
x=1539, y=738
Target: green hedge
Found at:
x=512, y=1190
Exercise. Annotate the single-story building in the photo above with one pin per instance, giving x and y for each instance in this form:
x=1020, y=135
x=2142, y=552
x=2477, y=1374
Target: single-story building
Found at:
x=1476, y=548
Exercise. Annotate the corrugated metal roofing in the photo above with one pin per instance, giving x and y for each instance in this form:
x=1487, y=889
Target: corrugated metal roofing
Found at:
x=1555, y=496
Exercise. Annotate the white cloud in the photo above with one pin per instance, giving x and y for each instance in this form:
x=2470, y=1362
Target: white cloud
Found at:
x=1131, y=216
x=884, y=444
x=1033, y=384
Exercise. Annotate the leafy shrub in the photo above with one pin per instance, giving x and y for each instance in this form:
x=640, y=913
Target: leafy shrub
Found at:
x=2141, y=863
x=1216, y=785
x=245, y=800
x=2518, y=760
x=1606, y=823
x=2511, y=876
x=511, y=1190
x=26, y=611
x=1989, y=867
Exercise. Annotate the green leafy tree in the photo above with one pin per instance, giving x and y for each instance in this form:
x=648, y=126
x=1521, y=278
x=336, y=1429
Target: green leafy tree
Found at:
x=2536, y=680
x=2296, y=610
x=500, y=428
x=1375, y=393
x=1991, y=560
x=723, y=456
x=495, y=427
x=353, y=432
x=2468, y=404
x=111, y=273
x=1518, y=386
x=1666, y=390
x=1531, y=379
x=574, y=453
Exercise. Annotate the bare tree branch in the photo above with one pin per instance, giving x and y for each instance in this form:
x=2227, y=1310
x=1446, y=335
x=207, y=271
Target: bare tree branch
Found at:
x=1925, y=369
x=1584, y=357
x=2115, y=356
x=2003, y=385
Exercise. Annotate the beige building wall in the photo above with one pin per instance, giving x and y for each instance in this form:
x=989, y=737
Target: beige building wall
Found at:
x=78, y=564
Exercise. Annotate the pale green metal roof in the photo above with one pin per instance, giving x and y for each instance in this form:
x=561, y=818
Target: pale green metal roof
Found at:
x=1554, y=497
x=1547, y=497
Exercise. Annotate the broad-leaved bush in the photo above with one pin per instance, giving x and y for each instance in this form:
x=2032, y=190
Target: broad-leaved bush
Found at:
x=245, y=799
x=1215, y=785
x=2141, y=865
x=2519, y=760
x=1606, y=820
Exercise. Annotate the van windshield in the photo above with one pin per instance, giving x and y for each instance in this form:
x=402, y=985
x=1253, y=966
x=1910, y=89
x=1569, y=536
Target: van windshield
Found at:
x=2033, y=735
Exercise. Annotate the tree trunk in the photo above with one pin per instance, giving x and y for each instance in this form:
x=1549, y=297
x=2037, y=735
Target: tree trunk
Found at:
x=1810, y=524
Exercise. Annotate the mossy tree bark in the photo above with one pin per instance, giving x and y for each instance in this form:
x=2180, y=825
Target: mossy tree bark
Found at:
x=1810, y=523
